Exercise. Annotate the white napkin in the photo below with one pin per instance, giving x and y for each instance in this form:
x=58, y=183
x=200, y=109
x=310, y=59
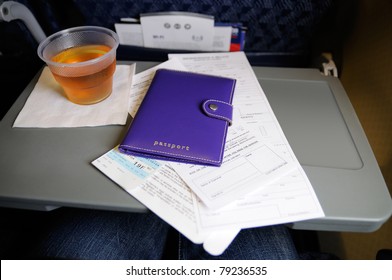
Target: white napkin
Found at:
x=48, y=107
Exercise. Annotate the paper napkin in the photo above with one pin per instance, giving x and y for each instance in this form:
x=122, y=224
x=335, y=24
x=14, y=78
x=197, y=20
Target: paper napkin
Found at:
x=48, y=107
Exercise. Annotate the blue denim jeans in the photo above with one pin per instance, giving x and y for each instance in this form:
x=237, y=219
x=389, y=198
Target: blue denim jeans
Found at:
x=263, y=243
x=93, y=234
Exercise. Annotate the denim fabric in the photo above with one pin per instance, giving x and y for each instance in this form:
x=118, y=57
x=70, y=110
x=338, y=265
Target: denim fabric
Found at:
x=90, y=234
x=263, y=243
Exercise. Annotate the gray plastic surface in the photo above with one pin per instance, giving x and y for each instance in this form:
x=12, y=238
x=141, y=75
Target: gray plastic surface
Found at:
x=47, y=168
x=329, y=142
x=313, y=123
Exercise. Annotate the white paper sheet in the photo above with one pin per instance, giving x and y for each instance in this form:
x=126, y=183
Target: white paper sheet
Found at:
x=248, y=165
x=291, y=198
x=163, y=192
x=127, y=171
x=217, y=242
x=286, y=201
x=48, y=107
x=156, y=185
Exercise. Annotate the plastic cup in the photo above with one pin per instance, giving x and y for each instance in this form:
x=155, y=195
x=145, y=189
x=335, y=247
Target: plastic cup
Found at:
x=83, y=61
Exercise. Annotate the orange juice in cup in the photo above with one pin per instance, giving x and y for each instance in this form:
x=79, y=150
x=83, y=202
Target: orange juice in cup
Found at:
x=83, y=61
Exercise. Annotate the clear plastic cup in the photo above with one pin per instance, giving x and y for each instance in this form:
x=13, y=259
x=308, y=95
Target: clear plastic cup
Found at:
x=82, y=60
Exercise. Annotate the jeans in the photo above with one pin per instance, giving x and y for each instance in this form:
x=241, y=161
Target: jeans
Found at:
x=93, y=234
x=264, y=243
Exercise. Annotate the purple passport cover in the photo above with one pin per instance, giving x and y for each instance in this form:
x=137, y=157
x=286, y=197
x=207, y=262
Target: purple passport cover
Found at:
x=184, y=117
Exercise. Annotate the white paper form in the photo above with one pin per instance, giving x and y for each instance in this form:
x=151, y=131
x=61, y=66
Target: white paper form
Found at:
x=249, y=101
x=286, y=201
x=294, y=192
x=248, y=165
x=159, y=188
x=127, y=171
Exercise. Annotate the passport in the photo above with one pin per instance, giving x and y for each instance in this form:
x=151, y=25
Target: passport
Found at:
x=184, y=117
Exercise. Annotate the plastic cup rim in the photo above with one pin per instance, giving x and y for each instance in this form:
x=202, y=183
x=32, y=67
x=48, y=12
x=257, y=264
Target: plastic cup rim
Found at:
x=58, y=34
